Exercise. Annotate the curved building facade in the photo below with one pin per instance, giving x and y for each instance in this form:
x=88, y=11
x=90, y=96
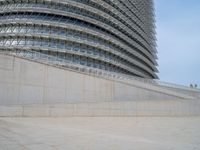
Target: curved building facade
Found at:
x=112, y=35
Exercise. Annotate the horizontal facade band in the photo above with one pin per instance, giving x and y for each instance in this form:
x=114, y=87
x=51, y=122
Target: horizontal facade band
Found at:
x=68, y=35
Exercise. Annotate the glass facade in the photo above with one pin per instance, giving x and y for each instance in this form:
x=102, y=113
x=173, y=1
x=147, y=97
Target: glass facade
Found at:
x=112, y=35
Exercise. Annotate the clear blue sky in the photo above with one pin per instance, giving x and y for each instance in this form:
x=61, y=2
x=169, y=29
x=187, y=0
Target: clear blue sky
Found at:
x=178, y=40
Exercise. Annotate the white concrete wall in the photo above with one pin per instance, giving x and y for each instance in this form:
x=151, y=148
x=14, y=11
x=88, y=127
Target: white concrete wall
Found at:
x=24, y=84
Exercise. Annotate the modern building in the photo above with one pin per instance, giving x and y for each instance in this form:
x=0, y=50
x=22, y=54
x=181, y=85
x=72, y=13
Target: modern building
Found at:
x=109, y=35
x=84, y=58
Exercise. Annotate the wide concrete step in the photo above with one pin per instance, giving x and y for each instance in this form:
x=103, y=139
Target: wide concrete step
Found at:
x=126, y=108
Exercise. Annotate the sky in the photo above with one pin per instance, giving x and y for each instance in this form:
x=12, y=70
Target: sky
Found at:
x=178, y=40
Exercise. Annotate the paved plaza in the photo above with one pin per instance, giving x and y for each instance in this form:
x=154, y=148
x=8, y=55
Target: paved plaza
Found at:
x=100, y=133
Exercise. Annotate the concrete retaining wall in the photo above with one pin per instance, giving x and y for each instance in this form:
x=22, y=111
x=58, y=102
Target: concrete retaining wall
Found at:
x=32, y=89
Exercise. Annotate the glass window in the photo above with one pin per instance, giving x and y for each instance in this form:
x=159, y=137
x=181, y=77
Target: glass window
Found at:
x=37, y=43
x=53, y=43
x=7, y=42
x=76, y=48
x=61, y=55
x=22, y=42
x=62, y=44
x=29, y=42
x=45, y=43
x=14, y=42
x=62, y=32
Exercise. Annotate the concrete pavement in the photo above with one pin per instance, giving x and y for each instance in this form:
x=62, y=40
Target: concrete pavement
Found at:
x=97, y=133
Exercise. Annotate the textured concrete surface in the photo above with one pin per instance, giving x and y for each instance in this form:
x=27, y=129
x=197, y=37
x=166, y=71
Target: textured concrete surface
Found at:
x=24, y=82
x=97, y=133
x=29, y=88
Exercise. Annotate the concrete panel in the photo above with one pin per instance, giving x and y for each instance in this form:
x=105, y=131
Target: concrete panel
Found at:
x=6, y=63
x=54, y=95
x=11, y=75
x=75, y=81
x=9, y=93
x=55, y=78
x=74, y=96
x=30, y=94
x=32, y=73
x=89, y=83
